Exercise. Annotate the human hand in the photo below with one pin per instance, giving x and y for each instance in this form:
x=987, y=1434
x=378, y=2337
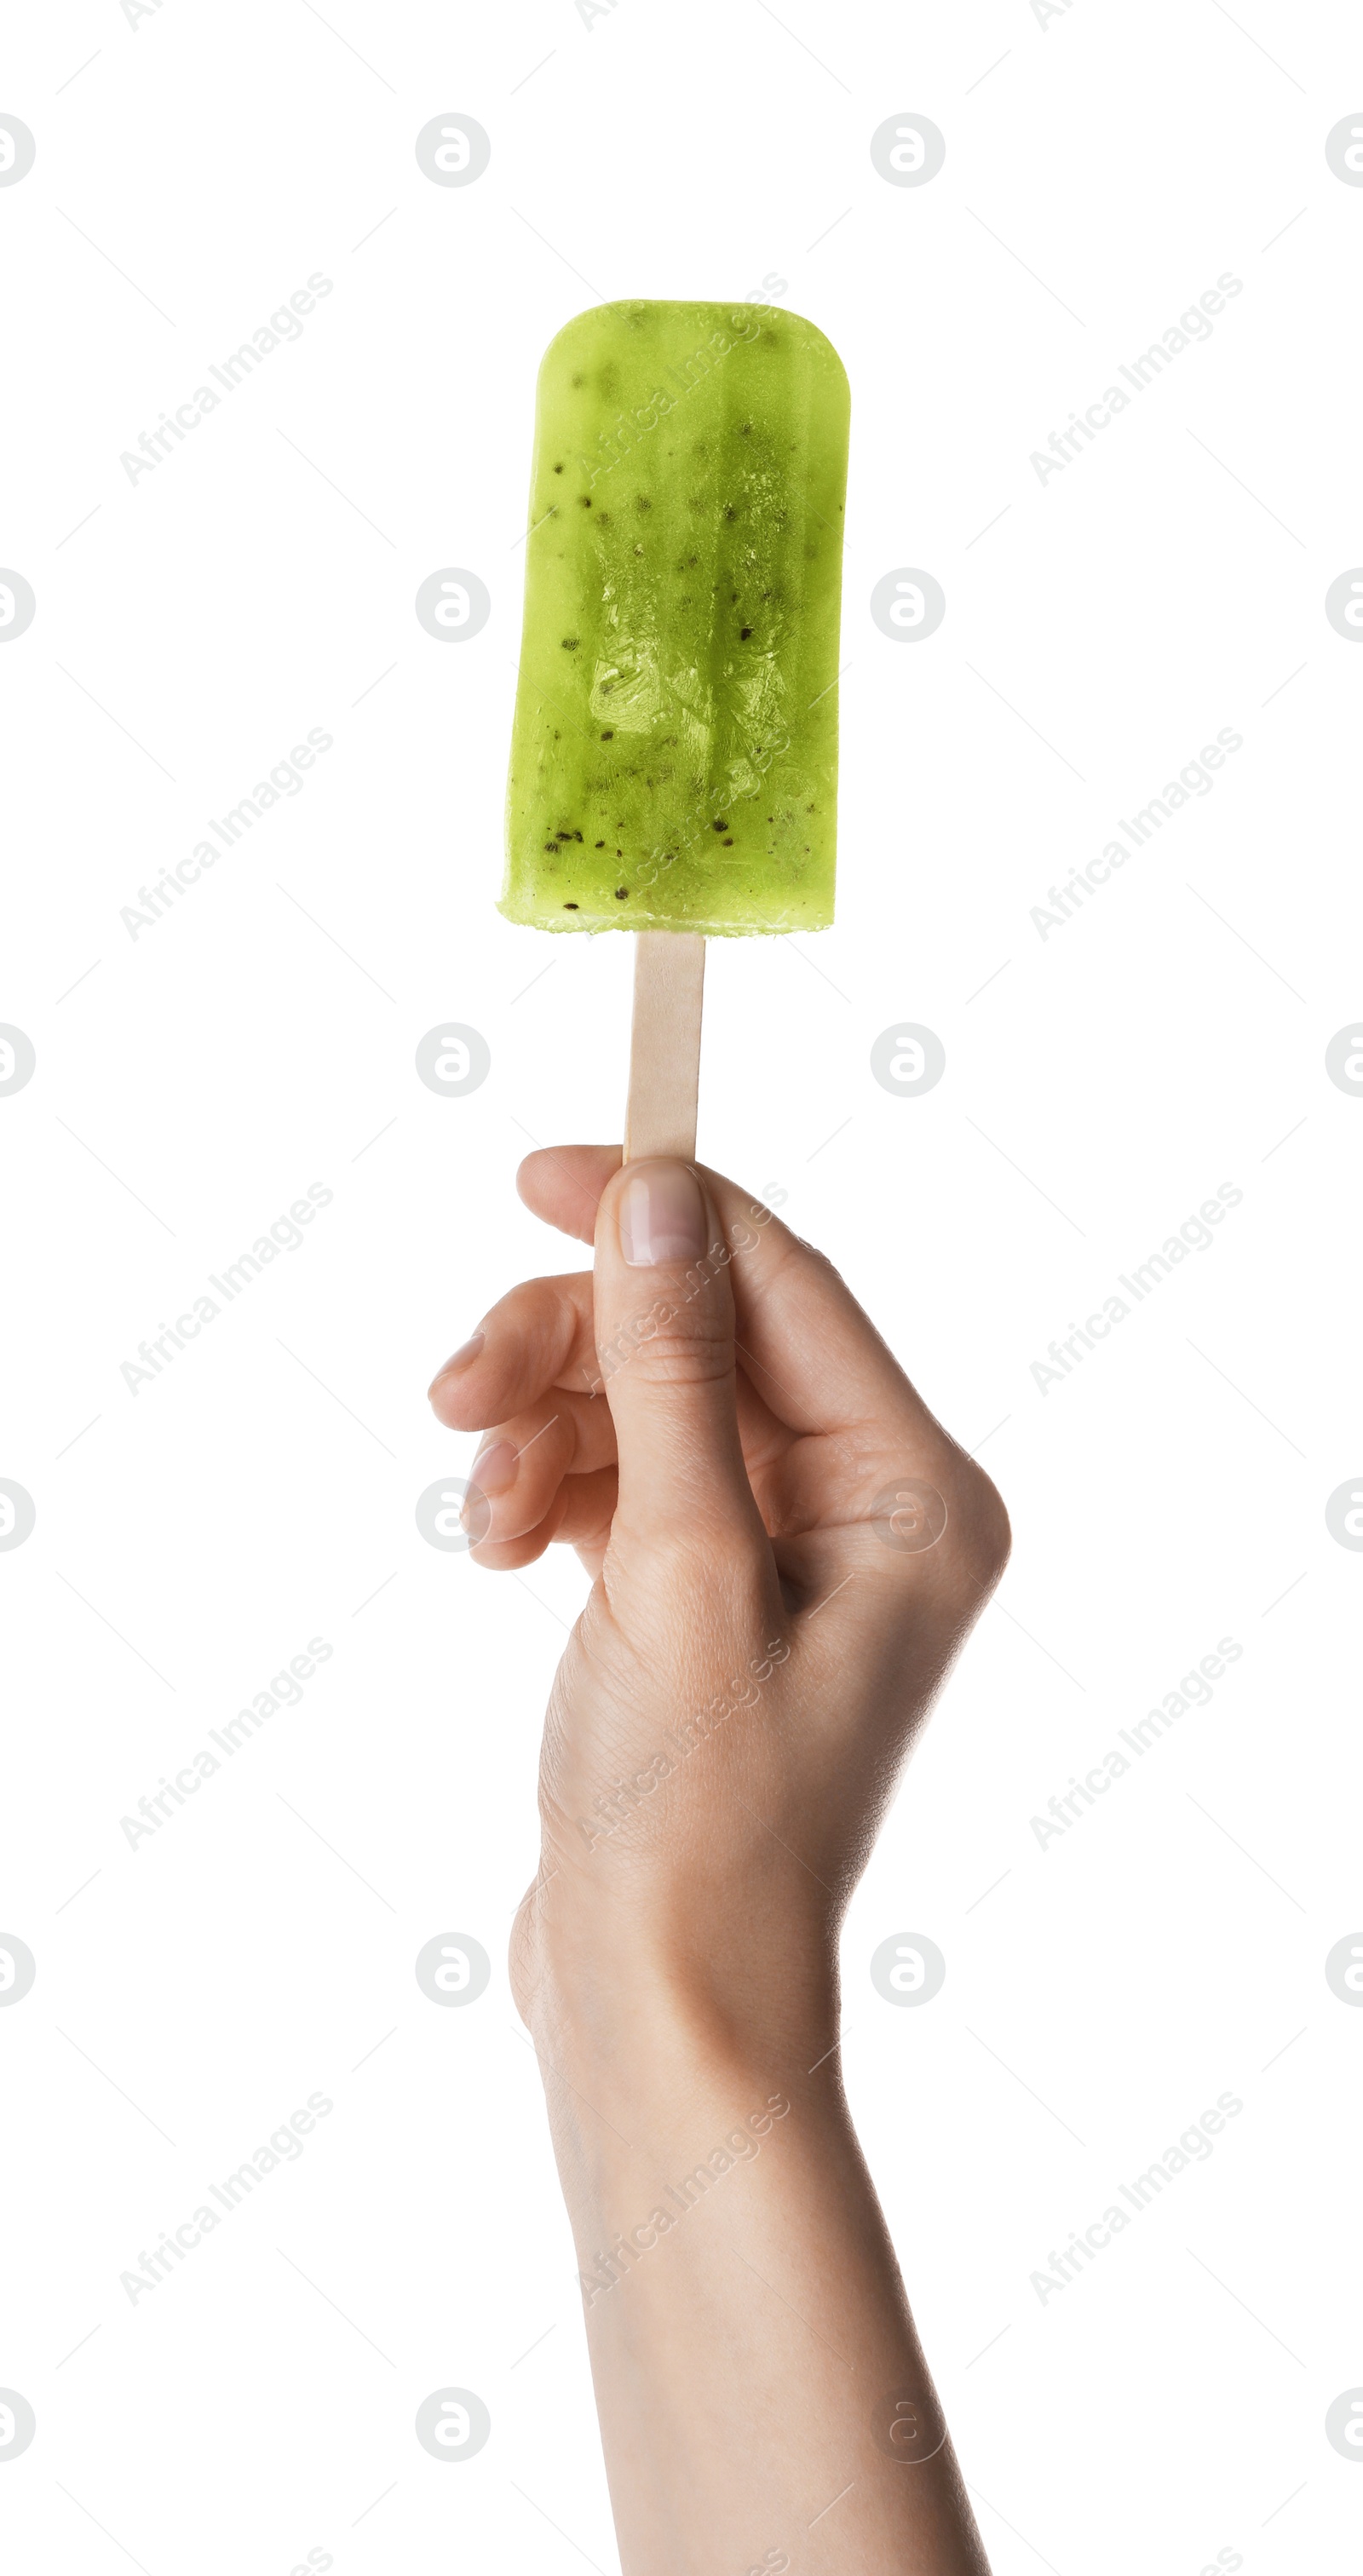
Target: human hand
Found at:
x=711, y=1419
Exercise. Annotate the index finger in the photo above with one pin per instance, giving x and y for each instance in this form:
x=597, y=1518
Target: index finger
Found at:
x=539, y=1335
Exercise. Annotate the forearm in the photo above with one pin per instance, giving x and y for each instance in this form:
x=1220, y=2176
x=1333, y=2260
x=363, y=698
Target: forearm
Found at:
x=762, y=2393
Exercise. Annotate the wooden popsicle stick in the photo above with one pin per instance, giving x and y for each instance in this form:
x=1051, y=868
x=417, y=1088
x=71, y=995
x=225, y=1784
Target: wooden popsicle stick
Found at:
x=664, y=1052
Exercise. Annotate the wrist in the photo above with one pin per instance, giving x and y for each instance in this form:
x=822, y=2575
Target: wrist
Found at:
x=651, y=2094
x=653, y=2001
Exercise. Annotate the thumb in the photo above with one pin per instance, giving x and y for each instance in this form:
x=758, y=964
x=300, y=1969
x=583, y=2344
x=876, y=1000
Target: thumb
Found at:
x=664, y=1319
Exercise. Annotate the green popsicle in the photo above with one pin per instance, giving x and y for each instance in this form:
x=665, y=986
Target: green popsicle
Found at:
x=675, y=751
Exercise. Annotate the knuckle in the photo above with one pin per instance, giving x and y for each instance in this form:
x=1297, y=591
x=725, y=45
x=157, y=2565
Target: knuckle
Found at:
x=674, y=1361
x=671, y=1347
x=946, y=1517
x=707, y=1591
x=984, y=1531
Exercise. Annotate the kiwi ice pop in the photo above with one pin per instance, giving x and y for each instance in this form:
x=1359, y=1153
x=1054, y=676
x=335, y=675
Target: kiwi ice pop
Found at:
x=675, y=750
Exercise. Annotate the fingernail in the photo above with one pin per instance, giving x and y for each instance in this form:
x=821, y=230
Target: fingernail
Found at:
x=662, y=1215
x=463, y=1358
x=494, y=1469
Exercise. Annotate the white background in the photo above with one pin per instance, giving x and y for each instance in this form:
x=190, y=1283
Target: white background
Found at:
x=1102, y=170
